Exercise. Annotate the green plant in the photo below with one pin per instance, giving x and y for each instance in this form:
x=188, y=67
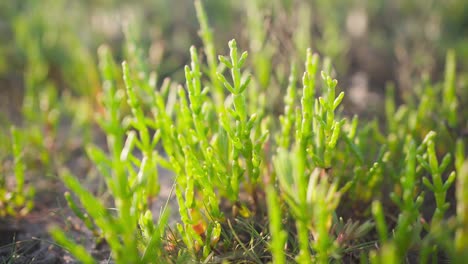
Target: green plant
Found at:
x=17, y=200
x=461, y=234
x=335, y=187
x=130, y=232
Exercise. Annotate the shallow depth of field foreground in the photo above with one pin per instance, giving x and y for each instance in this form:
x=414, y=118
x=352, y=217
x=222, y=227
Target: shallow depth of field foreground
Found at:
x=251, y=131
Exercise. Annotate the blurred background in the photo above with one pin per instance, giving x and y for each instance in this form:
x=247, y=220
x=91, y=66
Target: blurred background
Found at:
x=52, y=44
